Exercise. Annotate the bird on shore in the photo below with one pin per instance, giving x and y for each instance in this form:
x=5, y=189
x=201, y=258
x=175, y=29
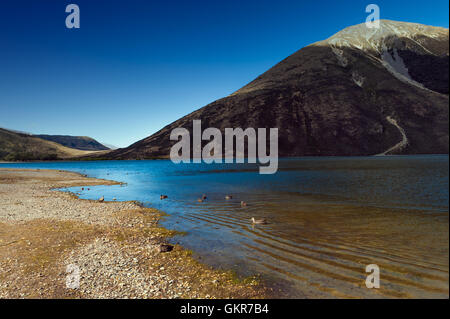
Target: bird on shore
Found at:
x=258, y=221
x=228, y=197
x=200, y=200
x=102, y=199
x=243, y=204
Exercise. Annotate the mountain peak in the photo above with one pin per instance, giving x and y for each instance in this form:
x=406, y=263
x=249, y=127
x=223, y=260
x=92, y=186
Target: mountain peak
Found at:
x=361, y=92
x=378, y=39
x=409, y=51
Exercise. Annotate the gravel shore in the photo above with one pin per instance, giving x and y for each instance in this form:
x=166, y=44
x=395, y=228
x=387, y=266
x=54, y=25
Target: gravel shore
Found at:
x=114, y=247
x=28, y=195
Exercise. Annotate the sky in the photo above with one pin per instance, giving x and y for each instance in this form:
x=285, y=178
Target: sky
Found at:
x=135, y=66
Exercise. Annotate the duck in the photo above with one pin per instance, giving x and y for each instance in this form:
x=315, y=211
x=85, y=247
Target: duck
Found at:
x=258, y=221
x=243, y=204
x=228, y=197
x=204, y=197
x=163, y=196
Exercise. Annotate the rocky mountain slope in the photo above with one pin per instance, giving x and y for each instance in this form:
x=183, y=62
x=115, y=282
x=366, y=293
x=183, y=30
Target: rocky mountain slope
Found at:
x=15, y=146
x=361, y=92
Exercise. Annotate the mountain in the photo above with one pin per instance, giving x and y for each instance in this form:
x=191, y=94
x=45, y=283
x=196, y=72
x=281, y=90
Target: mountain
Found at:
x=110, y=146
x=15, y=146
x=77, y=142
x=361, y=92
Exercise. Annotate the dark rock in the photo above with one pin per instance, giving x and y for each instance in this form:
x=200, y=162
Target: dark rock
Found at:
x=164, y=248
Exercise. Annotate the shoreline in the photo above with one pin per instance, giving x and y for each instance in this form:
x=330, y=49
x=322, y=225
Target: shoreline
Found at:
x=118, y=246
x=374, y=156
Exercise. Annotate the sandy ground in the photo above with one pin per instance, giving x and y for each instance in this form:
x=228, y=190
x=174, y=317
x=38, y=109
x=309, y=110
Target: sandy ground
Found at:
x=50, y=241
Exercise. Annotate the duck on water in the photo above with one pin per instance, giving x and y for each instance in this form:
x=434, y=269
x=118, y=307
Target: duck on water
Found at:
x=258, y=221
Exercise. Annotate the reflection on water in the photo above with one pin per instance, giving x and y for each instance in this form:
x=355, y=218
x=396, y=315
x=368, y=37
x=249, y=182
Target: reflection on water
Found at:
x=328, y=219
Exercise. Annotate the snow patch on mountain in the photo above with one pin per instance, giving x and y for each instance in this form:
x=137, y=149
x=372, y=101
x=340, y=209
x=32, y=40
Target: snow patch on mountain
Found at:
x=358, y=78
x=342, y=60
x=395, y=65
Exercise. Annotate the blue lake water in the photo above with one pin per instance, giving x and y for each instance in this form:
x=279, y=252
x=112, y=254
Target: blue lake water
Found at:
x=328, y=218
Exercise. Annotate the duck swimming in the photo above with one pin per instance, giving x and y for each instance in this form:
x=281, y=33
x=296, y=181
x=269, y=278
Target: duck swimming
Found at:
x=258, y=221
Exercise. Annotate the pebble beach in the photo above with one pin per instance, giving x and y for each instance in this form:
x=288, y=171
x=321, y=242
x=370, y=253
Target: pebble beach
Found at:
x=118, y=248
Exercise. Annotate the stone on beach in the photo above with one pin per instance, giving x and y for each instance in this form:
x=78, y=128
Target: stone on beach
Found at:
x=164, y=248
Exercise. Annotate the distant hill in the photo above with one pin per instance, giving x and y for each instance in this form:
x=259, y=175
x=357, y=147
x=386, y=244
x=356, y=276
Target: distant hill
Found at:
x=361, y=92
x=83, y=143
x=16, y=146
x=110, y=146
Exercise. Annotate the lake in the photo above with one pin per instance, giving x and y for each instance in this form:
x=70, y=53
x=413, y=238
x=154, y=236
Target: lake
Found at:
x=328, y=218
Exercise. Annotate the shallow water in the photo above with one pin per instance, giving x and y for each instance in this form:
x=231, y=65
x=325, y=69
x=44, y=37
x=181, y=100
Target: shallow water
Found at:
x=328, y=219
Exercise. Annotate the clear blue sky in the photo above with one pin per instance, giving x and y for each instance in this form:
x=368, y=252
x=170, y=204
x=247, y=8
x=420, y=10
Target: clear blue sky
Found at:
x=136, y=66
